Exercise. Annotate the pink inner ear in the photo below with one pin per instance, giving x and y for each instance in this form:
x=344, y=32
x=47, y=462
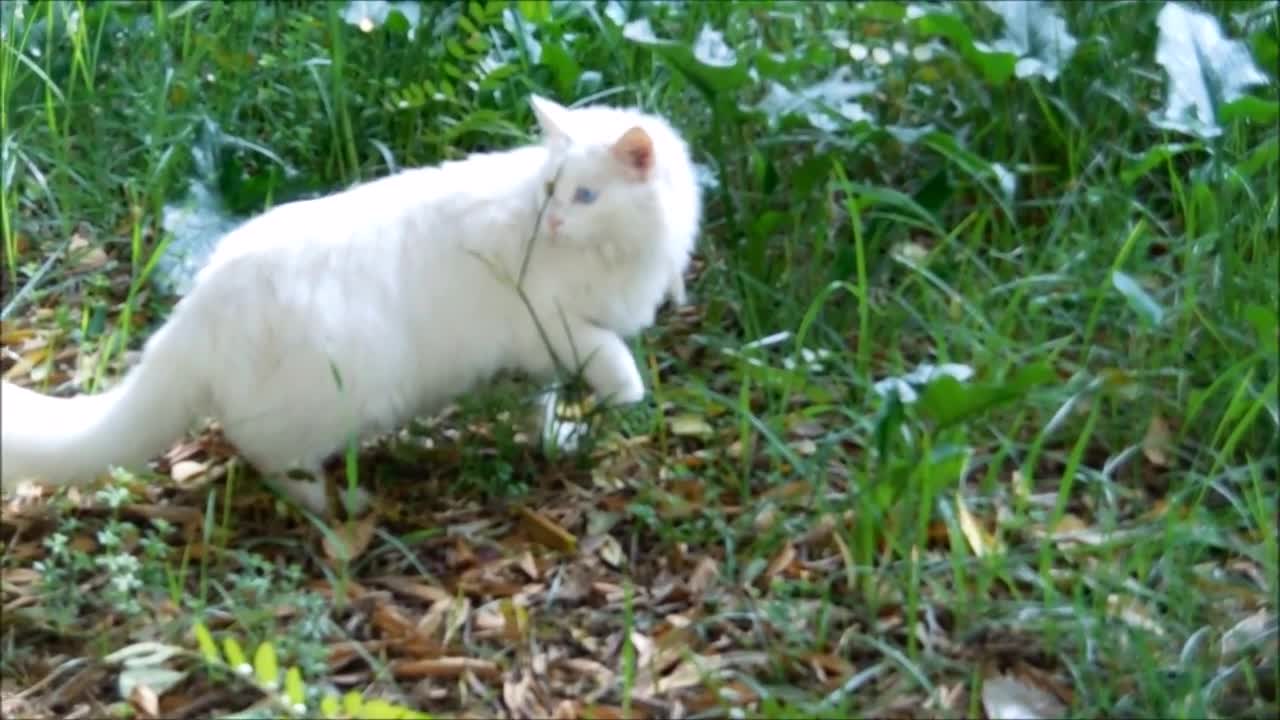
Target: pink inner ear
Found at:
x=635, y=150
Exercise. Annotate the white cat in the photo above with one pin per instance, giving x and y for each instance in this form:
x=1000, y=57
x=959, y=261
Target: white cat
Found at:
x=347, y=315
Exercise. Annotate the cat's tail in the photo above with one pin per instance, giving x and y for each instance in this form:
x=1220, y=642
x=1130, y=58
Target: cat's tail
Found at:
x=69, y=441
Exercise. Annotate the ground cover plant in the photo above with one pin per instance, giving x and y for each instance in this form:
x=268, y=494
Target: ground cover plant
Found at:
x=973, y=411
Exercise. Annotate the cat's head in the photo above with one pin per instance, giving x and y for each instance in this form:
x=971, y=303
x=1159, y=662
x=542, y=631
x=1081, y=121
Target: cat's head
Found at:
x=623, y=176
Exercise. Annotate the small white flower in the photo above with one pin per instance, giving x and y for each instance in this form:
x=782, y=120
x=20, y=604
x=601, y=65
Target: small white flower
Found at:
x=107, y=538
x=113, y=497
x=905, y=385
x=56, y=543
x=125, y=584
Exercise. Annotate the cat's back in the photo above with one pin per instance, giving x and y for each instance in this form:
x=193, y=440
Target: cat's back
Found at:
x=422, y=203
x=478, y=177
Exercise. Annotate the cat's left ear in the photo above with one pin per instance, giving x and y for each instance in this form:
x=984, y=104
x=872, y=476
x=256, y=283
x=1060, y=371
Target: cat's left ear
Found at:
x=550, y=115
x=635, y=150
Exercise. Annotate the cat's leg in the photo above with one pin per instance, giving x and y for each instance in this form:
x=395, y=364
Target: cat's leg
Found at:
x=675, y=289
x=307, y=493
x=312, y=493
x=610, y=370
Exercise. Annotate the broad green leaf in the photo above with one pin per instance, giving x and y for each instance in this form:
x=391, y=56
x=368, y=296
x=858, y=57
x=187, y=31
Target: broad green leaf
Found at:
x=1266, y=49
x=535, y=11
x=235, y=656
x=1154, y=157
x=265, y=665
x=1205, y=69
x=945, y=465
x=881, y=10
x=888, y=419
x=564, y=68
x=158, y=679
x=947, y=400
x=294, y=689
x=1264, y=322
x=871, y=196
x=1138, y=298
x=1251, y=108
x=1265, y=154
x=369, y=14
x=827, y=105
x=711, y=72
x=1037, y=35
x=208, y=648
x=378, y=709
x=997, y=66
x=330, y=706
x=351, y=703
x=992, y=177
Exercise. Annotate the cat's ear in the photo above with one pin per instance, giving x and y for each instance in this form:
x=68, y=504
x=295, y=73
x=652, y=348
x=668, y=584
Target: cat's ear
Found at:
x=550, y=115
x=635, y=150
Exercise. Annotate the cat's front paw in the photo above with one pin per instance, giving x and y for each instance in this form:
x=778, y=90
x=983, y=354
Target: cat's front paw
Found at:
x=312, y=495
x=628, y=392
x=622, y=385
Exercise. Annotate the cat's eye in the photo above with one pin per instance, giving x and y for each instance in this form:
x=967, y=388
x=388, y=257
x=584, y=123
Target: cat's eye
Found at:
x=583, y=195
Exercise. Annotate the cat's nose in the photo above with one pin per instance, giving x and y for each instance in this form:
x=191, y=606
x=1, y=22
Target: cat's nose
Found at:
x=554, y=222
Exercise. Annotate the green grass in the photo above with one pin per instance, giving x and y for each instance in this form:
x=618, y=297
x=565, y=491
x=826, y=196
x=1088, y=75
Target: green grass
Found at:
x=839, y=552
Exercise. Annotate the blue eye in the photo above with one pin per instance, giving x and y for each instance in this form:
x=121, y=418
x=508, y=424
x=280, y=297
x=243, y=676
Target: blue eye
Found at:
x=586, y=196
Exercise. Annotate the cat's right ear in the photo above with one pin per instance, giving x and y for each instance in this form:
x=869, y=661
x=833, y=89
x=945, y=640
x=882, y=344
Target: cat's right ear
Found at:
x=550, y=115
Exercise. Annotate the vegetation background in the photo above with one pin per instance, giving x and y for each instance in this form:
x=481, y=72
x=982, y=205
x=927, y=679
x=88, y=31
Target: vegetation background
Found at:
x=974, y=411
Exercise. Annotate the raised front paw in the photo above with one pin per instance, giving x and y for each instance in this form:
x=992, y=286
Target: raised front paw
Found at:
x=624, y=387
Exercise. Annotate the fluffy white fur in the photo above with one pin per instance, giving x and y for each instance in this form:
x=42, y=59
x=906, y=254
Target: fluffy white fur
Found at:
x=355, y=312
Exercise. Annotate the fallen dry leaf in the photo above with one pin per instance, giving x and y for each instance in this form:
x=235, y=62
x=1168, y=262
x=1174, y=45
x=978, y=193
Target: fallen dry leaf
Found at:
x=804, y=447
x=1247, y=633
x=520, y=697
x=831, y=670
x=543, y=530
x=1009, y=698
x=690, y=426
x=1067, y=525
x=695, y=670
x=1133, y=612
x=185, y=470
x=779, y=564
x=797, y=490
x=84, y=258
x=26, y=363
x=350, y=539
x=703, y=576
x=448, y=668
x=412, y=587
x=980, y=541
x=402, y=633
x=765, y=519
x=610, y=552
x=608, y=712
x=515, y=620
x=1157, y=444
x=145, y=700
x=14, y=336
